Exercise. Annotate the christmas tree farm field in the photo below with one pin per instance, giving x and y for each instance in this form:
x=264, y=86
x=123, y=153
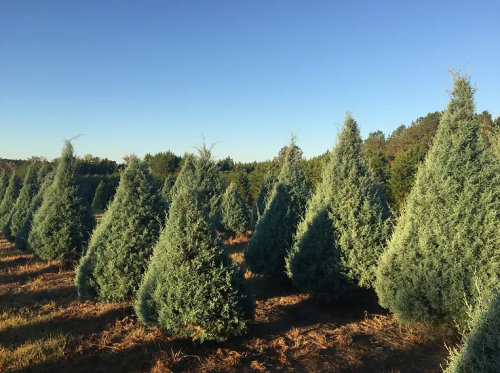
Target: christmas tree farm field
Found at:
x=44, y=328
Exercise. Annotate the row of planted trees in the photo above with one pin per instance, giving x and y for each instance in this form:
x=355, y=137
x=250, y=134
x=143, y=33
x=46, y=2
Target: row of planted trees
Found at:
x=439, y=262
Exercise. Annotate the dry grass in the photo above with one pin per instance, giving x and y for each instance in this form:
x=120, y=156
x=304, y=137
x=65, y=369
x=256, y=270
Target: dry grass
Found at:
x=44, y=328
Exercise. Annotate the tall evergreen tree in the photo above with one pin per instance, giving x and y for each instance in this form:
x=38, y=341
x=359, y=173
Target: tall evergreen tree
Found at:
x=122, y=243
x=22, y=205
x=274, y=232
x=191, y=287
x=99, y=202
x=166, y=189
x=9, y=199
x=186, y=177
x=235, y=214
x=449, y=227
x=4, y=183
x=343, y=233
x=262, y=199
x=47, y=178
x=63, y=223
x=480, y=352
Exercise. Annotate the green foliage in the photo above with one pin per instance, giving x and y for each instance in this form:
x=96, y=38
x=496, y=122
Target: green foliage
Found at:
x=63, y=223
x=166, y=189
x=343, y=233
x=186, y=177
x=448, y=229
x=274, y=232
x=262, y=199
x=191, y=287
x=235, y=214
x=22, y=205
x=4, y=183
x=122, y=243
x=480, y=352
x=22, y=236
x=402, y=174
x=162, y=164
x=9, y=199
x=99, y=203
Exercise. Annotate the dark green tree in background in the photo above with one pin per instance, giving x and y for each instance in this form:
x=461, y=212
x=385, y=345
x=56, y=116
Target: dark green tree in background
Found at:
x=4, y=183
x=63, y=223
x=99, y=203
x=167, y=188
x=9, y=199
x=191, y=287
x=274, y=232
x=448, y=232
x=345, y=228
x=22, y=205
x=235, y=214
x=122, y=243
x=262, y=199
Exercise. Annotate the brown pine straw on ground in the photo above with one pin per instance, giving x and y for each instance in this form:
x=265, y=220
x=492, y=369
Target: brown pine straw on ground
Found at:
x=44, y=328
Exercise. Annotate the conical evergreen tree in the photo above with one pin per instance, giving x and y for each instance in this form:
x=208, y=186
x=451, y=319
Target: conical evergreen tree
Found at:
x=47, y=178
x=122, y=243
x=274, y=232
x=191, y=287
x=209, y=184
x=480, y=352
x=9, y=199
x=339, y=242
x=186, y=177
x=166, y=190
x=235, y=214
x=99, y=202
x=449, y=227
x=23, y=202
x=4, y=183
x=262, y=199
x=63, y=223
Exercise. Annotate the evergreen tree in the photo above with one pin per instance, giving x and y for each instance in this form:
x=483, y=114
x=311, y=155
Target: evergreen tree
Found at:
x=22, y=205
x=343, y=233
x=21, y=241
x=99, y=203
x=167, y=188
x=186, y=177
x=4, y=183
x=274, y=232
x=480, y=352
x=262, y=199
x=235, y=215
x=449, y=228
x=122, y=243
x=9, y=199
x=191, y=287
x=63, y=223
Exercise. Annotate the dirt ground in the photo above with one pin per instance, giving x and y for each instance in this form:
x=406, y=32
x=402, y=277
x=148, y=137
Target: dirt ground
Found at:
x=44, y=328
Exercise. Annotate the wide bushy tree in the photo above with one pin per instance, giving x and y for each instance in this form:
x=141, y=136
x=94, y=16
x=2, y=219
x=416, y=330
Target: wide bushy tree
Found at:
x=122, y=243
x=480, y=352
x=191, y=287
x=22, y=205
x=344, y=231
x=47, y=178
x=63, y=223
x=235, y=214
x=449, y=228
x=262, y=199
x=274, y=232
x=9, y=199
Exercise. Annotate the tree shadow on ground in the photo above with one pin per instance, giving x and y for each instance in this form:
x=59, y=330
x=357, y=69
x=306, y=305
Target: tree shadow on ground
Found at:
x=23, y=278
x=21, y=261
x=61, y=296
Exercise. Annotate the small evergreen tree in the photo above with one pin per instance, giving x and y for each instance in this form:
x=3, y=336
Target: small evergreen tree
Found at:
x=235, y=215
x=274, y=232
x=21, y=240
x=22, y=205
x=9, y=199
x=480, y=352
x=191, y=287
x=449, y=228
x=343, y=233
x=262, y=199
x=99, y=203
x=4, y=183
x=122, y=243
x=63, y=223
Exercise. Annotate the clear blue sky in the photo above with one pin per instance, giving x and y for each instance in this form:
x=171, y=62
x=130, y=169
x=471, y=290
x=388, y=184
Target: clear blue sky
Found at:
x=150, y=76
